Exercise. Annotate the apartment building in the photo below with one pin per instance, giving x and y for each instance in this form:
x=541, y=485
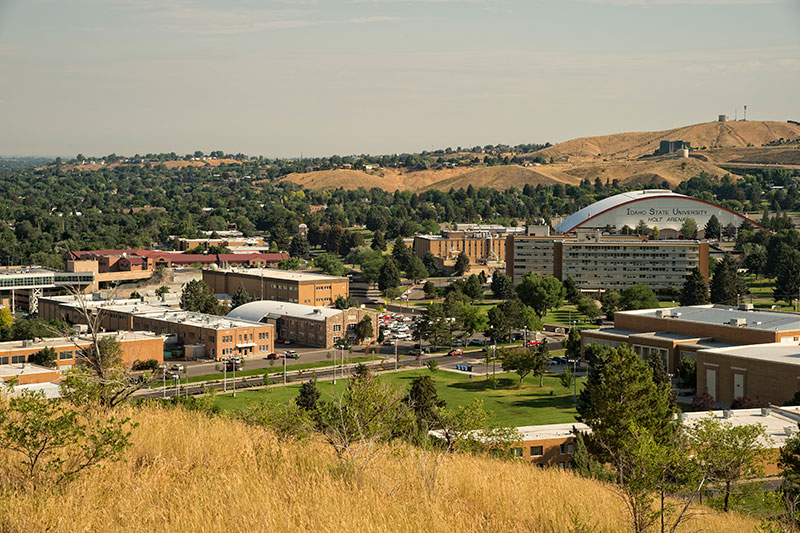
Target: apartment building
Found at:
x=272, y=284
x=313, y=326
x=596, y=262
x=201, y=335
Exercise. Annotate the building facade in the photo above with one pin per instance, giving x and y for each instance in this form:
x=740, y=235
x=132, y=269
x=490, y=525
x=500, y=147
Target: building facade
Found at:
x=21, y=288
x=313, y=326
x=305, y=288
x=597, y=262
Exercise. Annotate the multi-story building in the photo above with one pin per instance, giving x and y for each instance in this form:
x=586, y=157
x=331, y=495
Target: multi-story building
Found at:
x=237, y=242
x=303, y=324
x=596, y=262
x=305, y=288
x=22, y=287
x=201, y=335
x=481, y=243
x=111, y=266
x=135, y=346
x=679, y=332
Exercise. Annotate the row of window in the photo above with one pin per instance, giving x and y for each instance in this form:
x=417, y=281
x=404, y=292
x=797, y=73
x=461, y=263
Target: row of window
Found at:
x=538, y=451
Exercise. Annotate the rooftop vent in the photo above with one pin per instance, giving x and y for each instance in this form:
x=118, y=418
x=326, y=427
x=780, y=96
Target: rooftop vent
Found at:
x=727, y=413
x=764, y=411
x=738, y=322
x=746, y=306
x=664, y=313
x=789, y=430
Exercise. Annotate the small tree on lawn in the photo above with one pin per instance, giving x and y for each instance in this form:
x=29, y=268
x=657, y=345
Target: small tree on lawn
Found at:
x=364, y=330
x=308, y=396
x=541, y=361
x=519, y=360
x=572, y=344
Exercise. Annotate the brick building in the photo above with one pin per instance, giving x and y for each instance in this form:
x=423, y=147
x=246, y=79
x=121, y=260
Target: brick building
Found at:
x=135, y=346
x=305, y=288
x=200, y=335
x=313, y=326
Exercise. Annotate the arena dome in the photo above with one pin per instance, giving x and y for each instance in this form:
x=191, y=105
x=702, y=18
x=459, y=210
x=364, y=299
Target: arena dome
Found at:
x=659, y=208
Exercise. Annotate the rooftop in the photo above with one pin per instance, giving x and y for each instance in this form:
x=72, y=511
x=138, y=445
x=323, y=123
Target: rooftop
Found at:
x=723, y=315
x=286, y=275
x=70, y=342
x=775, y=352
x=9, y=371
x=258, y=310
x=581, y=216
x=199, y=319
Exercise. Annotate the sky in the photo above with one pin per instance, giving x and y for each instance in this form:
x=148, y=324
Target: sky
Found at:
x=285, y=78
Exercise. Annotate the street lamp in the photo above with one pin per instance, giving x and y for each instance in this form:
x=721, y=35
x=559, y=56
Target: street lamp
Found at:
x=224, y=374
x=164, y=380
x=284, y=369
x=396, y=360
x=234, y=377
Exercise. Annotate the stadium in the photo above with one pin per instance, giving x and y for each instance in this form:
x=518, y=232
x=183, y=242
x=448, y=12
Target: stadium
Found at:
x=659, y=208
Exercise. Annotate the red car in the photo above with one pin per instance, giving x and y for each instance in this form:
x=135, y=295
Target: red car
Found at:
x=274, y=356
x=532, y=343
x=457, y=351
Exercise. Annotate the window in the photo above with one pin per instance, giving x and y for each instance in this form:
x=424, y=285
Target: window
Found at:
x=570, y=449
x=537, y=451
x=517, y=452
x=337, y=327
x=3, y=360
x=563, y=449
x=64, y=355
x=16, y=359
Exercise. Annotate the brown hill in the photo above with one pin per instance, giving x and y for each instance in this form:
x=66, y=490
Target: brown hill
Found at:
x=701, y=136
x=179, y=163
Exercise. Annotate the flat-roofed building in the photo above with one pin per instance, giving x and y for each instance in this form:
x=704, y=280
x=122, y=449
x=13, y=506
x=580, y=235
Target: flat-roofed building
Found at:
x=303, y=324
x=481, y=243
x=682, y=332
x=305, y=288
x=597, y=262
x=135, y=346
x=21, y=287
x=201, y=335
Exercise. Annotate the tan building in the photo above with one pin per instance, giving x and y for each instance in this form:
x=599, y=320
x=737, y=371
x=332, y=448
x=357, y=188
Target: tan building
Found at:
x=303, y=324
x=237, y=242
x=481, y=243
x=714, y=330
x=596, y=262
x=135, y=346
x=305, y=288
x=200, y=335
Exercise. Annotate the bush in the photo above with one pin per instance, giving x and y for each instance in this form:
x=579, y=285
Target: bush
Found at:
x=745, y=402
x=148, y=364
x=702, y=401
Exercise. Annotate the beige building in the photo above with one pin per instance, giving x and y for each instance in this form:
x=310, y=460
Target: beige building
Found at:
x=596, y=262
x=305, y=288
x=481, y=243
x=200, y=335
x=303, y=324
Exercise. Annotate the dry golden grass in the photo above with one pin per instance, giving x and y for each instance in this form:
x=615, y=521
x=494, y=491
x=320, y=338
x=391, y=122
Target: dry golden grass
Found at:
x=189, y=473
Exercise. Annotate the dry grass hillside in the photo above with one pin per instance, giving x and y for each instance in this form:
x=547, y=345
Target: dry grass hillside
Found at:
x=169, y=164
x=637, y=144
x=189, y=473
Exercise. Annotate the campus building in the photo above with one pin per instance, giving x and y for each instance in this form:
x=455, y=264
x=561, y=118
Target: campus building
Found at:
x=659, y=208
x=112, y=266
x=738, y=351
x=198, y=335
x=599, y=262
x=313, y=326
x=70, y=351
x=21, y=288
x=236, y=242
x=553, y=445
x=305, y=288
x=480, y=242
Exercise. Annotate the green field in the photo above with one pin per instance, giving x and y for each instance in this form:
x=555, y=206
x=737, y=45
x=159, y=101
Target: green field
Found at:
x=523, y=406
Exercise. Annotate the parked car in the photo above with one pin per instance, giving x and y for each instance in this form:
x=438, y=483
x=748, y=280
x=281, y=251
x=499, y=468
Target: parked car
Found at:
x=476, y=342
x=561, y=360
x=389, y=342
x=291, y=354
x=459, y=343
x=232, y=365
x=490, y=348
x=532, y=343
x=274, y=355
x=177, y=368
x=169, y=374
x=456, y=351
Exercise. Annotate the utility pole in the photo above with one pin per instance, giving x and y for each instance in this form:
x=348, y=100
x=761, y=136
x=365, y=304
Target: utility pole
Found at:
x=284, y=369
x=396, y=360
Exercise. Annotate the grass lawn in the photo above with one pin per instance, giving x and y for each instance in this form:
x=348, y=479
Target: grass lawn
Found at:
x=524, y=406
x=276, y=369
x=564, y=314
x=762, y=289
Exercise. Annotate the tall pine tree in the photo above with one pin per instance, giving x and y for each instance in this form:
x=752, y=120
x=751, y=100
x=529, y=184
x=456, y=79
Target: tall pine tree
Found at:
x=695, y=289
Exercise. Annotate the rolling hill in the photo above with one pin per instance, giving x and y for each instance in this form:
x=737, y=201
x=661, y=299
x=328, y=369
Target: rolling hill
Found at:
x=190, y=472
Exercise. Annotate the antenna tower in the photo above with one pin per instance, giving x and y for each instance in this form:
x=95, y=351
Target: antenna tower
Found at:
x=745, y=113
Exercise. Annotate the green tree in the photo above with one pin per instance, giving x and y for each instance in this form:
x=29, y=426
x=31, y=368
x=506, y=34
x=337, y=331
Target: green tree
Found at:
x=308, y=396
x=45, y=357
x=755, y=259
x=473, y=288
x=588, y=308
x=429, y=289
x=541, y=361
x=415, y=270
x=378, y=241
x=299, y=247
x=638, y=297
x=472, y=319
x=389, y=276
x=434, y=326
x=431, y=263
x=290, y=263
x=423, y=399
x=689, y=229
x=713, y=228
x=50, y=443
x=198, y=297
x=401, y=253
x=364, y=330
x=502, y=286
x=727, y=452
x=342, y=302
x=462, y=264
x=789, y=463
x=6, y=320
x=787, y=284
x=620, y=395
x=695, y=289
x=162, y=291
x=542, y=293
x=571, y=290
x=727, y=284
x=330, y=264
x=567, y=378
x=240, y=297
x=572, y=344
x=609, y=303
x=519, y=360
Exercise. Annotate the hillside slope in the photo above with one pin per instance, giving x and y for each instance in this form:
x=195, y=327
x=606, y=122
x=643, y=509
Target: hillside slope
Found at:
x=190, y=473
x=637, y=144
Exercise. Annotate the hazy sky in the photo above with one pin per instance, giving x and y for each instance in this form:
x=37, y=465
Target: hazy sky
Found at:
x=318, y=77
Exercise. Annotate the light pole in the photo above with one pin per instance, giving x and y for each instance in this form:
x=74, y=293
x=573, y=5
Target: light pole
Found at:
x=396, y=360
x=224, y=374
x=234, y=378
x=284, y=369
x=177, y=385
x=164, y=380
